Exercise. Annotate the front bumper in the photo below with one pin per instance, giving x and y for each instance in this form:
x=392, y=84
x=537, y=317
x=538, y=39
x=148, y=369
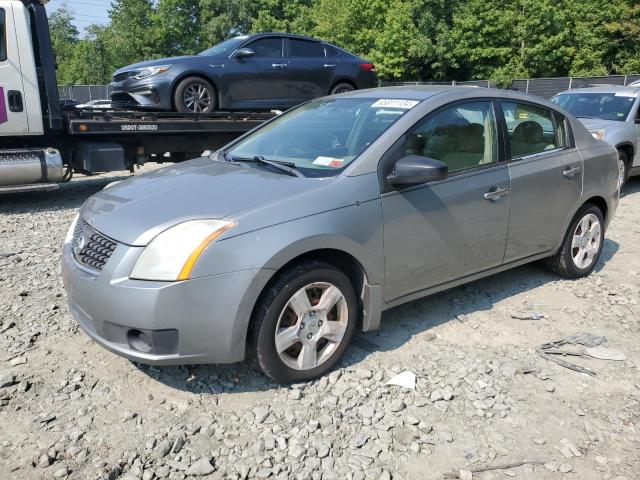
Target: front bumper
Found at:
x=154, y=93
x=202, y=320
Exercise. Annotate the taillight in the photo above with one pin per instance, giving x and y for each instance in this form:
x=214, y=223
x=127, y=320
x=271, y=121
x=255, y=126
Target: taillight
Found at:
x=369, y=67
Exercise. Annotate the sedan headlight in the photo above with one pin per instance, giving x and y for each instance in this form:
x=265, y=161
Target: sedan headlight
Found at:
x=172, y=254
x=597, y=134
x=148, y=72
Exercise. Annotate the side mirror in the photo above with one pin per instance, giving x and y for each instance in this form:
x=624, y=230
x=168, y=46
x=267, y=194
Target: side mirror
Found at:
x=414, y=170
x=244, y=53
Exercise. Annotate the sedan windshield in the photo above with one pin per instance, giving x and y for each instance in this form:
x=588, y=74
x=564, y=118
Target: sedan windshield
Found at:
x=606, y=106
x=322, y=137
x=224, y=49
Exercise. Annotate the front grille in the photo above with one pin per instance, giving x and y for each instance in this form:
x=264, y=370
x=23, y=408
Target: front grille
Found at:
x=118, y=77
x=90, y=248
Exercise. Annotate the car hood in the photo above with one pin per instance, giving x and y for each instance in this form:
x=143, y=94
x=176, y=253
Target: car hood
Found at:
x=598, y=123
x=136, y=210
x=159, y=62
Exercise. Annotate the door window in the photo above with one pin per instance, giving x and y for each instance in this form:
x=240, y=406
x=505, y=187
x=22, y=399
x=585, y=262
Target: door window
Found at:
x=3, y=37
x=305, y=48
x=267, y=47
x=533, y=129
x=463, y=136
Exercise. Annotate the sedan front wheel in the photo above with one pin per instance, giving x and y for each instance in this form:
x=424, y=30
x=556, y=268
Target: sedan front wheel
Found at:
x=194, y=95
x=304, y=323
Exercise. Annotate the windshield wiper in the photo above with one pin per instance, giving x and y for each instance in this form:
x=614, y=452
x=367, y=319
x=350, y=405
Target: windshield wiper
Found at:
x=586, y=116
x=287, y=167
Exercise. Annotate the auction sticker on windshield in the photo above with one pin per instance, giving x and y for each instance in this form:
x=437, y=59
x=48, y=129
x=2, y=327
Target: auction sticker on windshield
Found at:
x=328, y=162
x=395, y=103
x=626, y=94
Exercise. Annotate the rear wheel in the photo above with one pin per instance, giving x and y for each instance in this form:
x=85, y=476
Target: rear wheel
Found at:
x=623, y=168
x=582, y=245
x=342, y=88
x=304, y=322
x=194, y=95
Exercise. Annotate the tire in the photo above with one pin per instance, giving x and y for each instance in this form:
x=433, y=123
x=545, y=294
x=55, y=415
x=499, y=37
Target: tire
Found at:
x=310, y=281
x=342, y=88
x=564, y=262
x=623, y=168
x=190, y=88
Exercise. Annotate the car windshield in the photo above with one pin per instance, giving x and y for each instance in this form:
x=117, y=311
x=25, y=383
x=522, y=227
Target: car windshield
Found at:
x=225, y=48
x=606, y=106
x=322, y=137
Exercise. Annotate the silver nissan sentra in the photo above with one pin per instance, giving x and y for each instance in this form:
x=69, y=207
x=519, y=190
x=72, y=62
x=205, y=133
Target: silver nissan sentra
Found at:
x=287, y=241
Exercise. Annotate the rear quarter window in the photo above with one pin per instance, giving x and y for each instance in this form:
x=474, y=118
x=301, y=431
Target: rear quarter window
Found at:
x=3, y=36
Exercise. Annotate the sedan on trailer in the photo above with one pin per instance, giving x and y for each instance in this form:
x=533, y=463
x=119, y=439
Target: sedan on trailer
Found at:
x=286, y=242
x=262, y=71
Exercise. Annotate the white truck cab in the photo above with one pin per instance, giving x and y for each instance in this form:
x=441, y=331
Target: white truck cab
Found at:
x=20, y=108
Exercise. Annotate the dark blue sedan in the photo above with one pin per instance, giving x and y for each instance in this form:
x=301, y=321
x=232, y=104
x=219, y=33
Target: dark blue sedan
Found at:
x=252, y=72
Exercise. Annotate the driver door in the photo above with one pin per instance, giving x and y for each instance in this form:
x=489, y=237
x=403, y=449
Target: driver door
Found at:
x=438, y=232
x=261, y=80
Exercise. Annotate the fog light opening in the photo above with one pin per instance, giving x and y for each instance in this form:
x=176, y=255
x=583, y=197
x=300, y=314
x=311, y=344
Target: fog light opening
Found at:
x=139, y=341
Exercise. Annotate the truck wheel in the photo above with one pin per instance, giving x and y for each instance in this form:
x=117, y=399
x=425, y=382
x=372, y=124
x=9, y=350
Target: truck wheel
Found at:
x=582, y=244
x=342, y=88
x=304, y=322
x=623, y=168
x=194, y=95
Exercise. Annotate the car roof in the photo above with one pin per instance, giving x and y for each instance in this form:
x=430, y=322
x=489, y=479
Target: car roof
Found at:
x=282, y=34
x=423, y=92
x=605, y=88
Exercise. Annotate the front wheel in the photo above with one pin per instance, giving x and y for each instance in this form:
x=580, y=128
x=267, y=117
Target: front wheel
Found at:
x=582, y=245
x=194, y=95
x=304, y=322
x=623, y=169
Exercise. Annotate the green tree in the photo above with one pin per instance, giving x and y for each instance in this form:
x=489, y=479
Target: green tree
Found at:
x=64, y=38
x=131, y=35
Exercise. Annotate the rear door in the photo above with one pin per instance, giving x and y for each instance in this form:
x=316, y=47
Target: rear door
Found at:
x=310, y=72
x=259, y=81
x=546, y=177
x=13, y=115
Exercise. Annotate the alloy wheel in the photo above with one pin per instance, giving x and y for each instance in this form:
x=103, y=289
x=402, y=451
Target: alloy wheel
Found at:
x=586, y=241
x=311, y=326
x=197, y=98
x=622, y=171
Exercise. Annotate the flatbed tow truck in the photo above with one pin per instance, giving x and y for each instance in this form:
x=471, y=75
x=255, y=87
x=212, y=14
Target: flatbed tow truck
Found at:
x=44, y=141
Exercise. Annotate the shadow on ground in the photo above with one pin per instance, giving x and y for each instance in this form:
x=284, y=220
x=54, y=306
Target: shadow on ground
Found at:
x=398, y=326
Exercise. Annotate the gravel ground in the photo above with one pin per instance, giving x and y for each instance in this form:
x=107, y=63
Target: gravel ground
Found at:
x=483, y=399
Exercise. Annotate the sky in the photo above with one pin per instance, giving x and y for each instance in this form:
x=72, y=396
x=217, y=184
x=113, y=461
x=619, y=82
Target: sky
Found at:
x=85, y=12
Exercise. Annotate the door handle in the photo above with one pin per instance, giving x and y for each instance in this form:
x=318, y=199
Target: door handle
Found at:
x=279, y=65
x=15, y=101
x=329, y=65
x=495, y=193
x=572, y=171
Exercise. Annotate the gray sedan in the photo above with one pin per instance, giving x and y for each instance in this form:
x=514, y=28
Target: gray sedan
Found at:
x=286, y=242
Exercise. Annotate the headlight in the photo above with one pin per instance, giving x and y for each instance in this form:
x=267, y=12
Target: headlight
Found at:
x=69, y=236
x=172, y=254
x=148, y=72
x=597, y=134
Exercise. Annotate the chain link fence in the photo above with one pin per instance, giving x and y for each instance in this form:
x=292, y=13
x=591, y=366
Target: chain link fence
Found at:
x=542, y=87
